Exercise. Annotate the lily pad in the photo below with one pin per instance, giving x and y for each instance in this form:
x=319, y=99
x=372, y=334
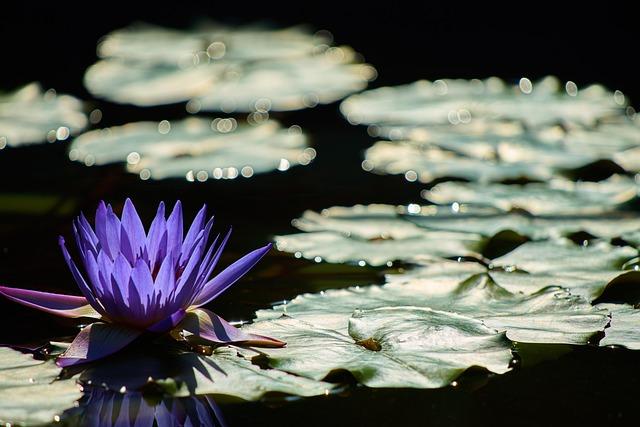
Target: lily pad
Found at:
x=389, y=347
x=373, y=234
x=30, y=115
x=460, y=101
x=551, y=315
x=469, y=219
x=623, y=330
x=222, y=373
x=30, y=393
x=195, y=148
x=218, y=68
x=559, y=196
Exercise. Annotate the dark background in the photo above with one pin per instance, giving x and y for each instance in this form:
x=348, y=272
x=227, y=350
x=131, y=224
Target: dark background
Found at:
x=54, y=42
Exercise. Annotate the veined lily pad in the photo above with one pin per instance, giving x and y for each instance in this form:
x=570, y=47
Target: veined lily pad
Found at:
x=374, y=234
x=30, y=115
x=223, y=373
x=195, y=148
x=623, y=329
x=460, y=101
x=223, y=69
x=551, y=315
x=388, y=347
x=559, y=196
x=469, y=219
x=30, y=393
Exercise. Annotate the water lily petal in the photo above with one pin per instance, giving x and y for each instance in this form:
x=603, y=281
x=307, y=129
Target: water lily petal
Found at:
x=209, y=326
x=143, y=280
x=58, y=304
x=196, y=227
x=133, y=228
x=175, y=230
x=207, y=266
x=82, y=284
x=169, y=323
x=108, y=230
x=157, y=232
x=229, y=276
x=96, y=341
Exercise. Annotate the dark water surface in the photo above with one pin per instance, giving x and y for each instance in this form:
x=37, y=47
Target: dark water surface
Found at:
x=558, y=385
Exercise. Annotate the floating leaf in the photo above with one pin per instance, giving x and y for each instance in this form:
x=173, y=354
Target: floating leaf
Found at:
x=550, y=315
x=388, y=347
x=374, y=234
x=460, y=101
x=623, y=329
x=468, y=219
x=559, y=196
x=30, y=393
x=223, y=69
x=195, y=148
x=30, y=115
x=223, y=373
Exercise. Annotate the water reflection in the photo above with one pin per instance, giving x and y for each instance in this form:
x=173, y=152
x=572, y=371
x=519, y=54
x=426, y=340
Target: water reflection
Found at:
x=108, y=408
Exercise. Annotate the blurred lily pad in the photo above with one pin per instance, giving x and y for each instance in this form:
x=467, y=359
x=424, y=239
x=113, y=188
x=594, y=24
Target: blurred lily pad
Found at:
x=558, y=197
x=222, y=373
x=387, y=347
x=195, y=148
x=30, y=115
x=30, y=393
x=373, y=234
x=218, y=68
x=550, y=315
x=461, y=101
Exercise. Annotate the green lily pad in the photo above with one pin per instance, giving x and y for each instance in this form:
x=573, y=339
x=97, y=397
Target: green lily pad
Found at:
x=623, y=330
x=30, y=393
x=558, y=197
x=195, y=148
x=550, y=315
x=373, y=234
x=30, y=115
x=223, y=373
x=388, y=347
x=460, y=101
x=224, y=69
x=470, y=219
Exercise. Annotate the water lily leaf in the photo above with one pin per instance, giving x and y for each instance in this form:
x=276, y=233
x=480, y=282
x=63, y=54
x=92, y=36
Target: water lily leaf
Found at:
x=550, y=315
x=469, y=220
x=373, y=234
x=30, y=115
x=460, y=101
x=389, y=347
x=191, y=148
x=146, y=42
x=222, y=373
x=584, y=270
x=30, y=393
x=558, y=197
x=218, y=68
x=623, y=329
x=426, y=164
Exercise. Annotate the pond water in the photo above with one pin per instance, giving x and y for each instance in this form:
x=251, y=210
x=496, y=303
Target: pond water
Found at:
x=42, y=190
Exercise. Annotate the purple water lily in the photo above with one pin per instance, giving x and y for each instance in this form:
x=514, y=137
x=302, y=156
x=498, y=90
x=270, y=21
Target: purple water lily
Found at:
x=144, y=282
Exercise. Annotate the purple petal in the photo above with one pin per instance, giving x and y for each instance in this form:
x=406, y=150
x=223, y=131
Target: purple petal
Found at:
x=133, y=229
x=208, y=266
x=96, y=341
x=169, y=323
x=82, y=284
x=175, y=230
x=58, y=304
x=196, y=227
x=229, y=276
x=108, y=230
x=141, y=277
x=209, y=326
x=157, y=234
x=121, y=273
x=165, y=281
